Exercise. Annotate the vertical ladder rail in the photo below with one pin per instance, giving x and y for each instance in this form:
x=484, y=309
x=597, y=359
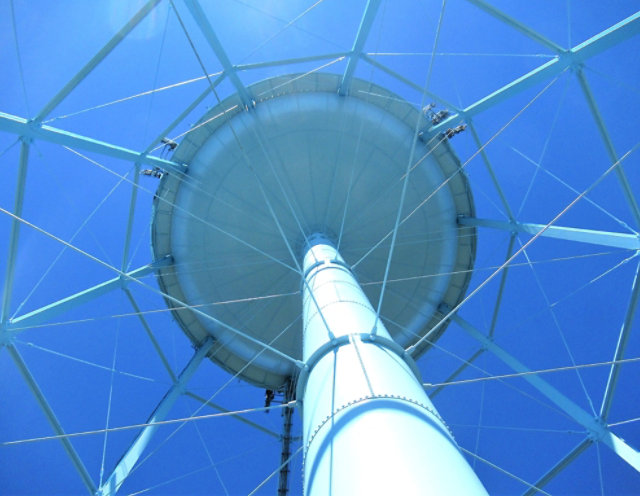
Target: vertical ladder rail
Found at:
x=287, y=416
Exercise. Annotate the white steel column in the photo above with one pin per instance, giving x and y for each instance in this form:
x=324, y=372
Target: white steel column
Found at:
x=368, y=426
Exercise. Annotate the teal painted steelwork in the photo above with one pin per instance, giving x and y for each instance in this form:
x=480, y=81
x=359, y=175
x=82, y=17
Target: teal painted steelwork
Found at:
x=149, y=332
x=368, y=17
x=132, y=208
x=608, y=38
x=220, y=77
x=96, y=59
x=409, y=83
x=545, y=72
x=153, y=289
x=570, y=58
x=130, y=458
x=595, y=426
x=46, y=313
x=207, y=30
x=51, y=418
x=165, y=132
x=174, y=378
x=30, y=130
x=15, y=232
x=489, y=167
x=623, y=339
x=514, y=23
x=560, y=466
x=613, y=156
x=503, y=282
x=601, y=238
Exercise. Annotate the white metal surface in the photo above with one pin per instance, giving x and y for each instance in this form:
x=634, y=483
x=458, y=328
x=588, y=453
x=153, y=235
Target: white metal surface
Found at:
x=230, y=226
x=368, y=426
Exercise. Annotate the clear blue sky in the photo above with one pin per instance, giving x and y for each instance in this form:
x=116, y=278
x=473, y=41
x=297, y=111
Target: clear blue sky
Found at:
x=563, y=303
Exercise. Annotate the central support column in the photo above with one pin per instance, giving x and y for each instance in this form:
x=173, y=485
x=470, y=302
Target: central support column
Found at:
x=368, y=425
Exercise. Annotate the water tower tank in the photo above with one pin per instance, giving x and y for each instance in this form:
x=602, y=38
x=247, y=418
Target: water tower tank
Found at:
x=303, y=160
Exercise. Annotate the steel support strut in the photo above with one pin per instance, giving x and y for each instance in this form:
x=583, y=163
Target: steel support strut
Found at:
x=623, y=339
x=515, y=24
x=589, y=236
x=366, y=23
x=207, y=30
x=15, y=232
x=130, y=458
x=29, y=130
x=368, y=426
x=596, y=428
x=569, y=58
x=559, y=467
x=51, y=418
x=48, y=312
x=97, y=58
x=606, y=138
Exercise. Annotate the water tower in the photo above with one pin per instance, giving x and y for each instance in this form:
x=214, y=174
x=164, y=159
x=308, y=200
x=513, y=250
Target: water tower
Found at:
x=307, y=151
x=313, y=234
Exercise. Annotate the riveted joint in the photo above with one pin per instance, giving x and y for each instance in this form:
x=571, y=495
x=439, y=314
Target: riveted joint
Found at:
x=336, y=343
x=430, y=411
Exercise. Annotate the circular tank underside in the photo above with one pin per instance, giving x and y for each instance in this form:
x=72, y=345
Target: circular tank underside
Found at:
x=306, y=160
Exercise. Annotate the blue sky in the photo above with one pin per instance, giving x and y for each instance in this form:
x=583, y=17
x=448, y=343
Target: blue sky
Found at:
x=563, y=302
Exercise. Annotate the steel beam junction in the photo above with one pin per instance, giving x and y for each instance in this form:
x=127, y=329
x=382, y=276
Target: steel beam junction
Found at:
x=567, y=59
x=31, y=130
x=596, y=428
x=366, y=23
x=46, y=313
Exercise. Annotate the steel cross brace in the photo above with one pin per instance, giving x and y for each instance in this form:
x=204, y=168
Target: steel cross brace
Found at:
x=596, y=428
x=606, y=138
x=559, y=466
x=32, y=130
x=129, y=459
x=530, y=33
x=489, y=167
x=47, y=312
x=366, y=23
x=15, y=234
x=51, y=418
x=569, y=58
x=623, y=339
x=132, y=210
x=168, y=297
x=399, y=77
x=601, y=238
x=207, y=30
x=96, y=59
